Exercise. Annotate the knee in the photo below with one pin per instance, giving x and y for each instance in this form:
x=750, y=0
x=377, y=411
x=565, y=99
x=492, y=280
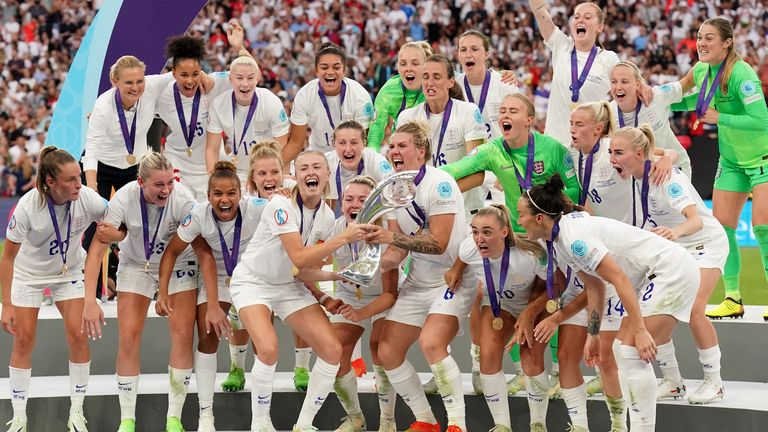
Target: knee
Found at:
x=432, y=347
x=267, y=353
x=207, y=343
x=568, y=357
x=607, y=363
x=330, y=351
x=389, y=357
x=23, y=342
x=130, y=341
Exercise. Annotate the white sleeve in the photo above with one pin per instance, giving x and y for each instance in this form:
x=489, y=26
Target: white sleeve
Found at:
x=300, y=111
x=474, y=126
x=585, y=250
x=115, y=214
x=559, y=43
x=98, y=124
x=220, y=84
x=364, y=112
x=280, y=216
x=669, y=93
x=18, y=226
x=214, y=121
x=326, y=230
x=468, y=253
x=191, y=225
x=383, y=167
x=443, y=198
x=279, y=119
x=97, y=205
x=405, y=116
x=677, y=194
x=154, y=85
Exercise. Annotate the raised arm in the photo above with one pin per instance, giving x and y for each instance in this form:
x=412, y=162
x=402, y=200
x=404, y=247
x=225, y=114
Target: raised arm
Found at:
x=543, y=19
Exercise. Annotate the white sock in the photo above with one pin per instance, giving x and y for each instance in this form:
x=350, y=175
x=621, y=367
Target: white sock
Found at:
x=448, y=377
x=127, y=387
x=642, y=390
x=261, y=393
x=205, y=374
x=237, y=353
x=495, y=389
x=518, y=368
x=78, y=383
x=346, y=390
x=407, y=384
x=617, y=408
x=622, y=367
x=357, y=352
x=19, y=386
x=302, y=357
x=387, y=395
x=538, y=402
x=665, y=358
x=320, y=384
x=178, y=380
x=576, y=402
x=710, y=362
x=474, y=353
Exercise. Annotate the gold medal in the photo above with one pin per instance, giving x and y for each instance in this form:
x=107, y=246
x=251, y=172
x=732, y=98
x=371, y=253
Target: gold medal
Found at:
x=146, y=267
x=552, y=306
x=295, y=271
x=358, y=292
x=64, y=269
x=131, y=159
x=189, y=151
x=234, y=159
x=227, y=281
x=497, y=323
x=696, y=124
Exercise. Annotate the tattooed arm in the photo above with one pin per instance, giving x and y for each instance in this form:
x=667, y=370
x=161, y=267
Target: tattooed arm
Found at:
x=433, y=242
x=543, y=19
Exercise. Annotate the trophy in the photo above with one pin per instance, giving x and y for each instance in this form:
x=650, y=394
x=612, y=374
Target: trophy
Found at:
x=392, y=193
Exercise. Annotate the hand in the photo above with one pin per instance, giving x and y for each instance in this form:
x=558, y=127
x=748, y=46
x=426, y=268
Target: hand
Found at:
x=508, y=77
x=8, y=319
x=547, y=328
x=497, y=184
x=645, y=346
x=645, y=93
x=661, y=170
x=286, y=192
x=216, y=318
x=592, y=350
x=377, y=234
x=349, y=313
x=452, y=279
x=163, y=305
x=93, y=318
x=354, y=232
x=235, y=34
x=665, y=232
x=524, y=331
x=711, y=116
x=106, y=233
x=332, y=305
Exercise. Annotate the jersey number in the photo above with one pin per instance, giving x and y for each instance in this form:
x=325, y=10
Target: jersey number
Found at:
x=648, y=292
x=618, y=307
x=54, y=247
x=595, y=197
x=181, y=273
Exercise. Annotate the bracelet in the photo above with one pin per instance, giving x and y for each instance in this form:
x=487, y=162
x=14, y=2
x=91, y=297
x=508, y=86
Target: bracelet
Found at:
x=323, y=298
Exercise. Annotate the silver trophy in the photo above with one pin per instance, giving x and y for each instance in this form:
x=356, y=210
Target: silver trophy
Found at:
x=393, y=193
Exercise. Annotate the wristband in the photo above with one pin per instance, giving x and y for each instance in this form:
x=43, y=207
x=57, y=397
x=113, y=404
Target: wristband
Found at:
x=323, y=298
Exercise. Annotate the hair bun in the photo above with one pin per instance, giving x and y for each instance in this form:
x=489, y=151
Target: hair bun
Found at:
x=554, y=184
x=225, y=166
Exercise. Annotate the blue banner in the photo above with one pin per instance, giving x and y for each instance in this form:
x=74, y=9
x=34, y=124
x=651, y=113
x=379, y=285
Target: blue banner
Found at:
x=744, y=234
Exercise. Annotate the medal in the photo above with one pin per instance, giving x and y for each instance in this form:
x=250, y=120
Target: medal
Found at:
x=227, y=281
x=324, y=101
x=358, y=292
x=129, y=137
x=552, y=306
x=146, y=267
x=230, y=257
x=705, y=97
x=437, y=157
x=131, y=159
x=63, y=246
x=696, y=124
x=189, y=151
x=295, y=271
x=64, y=269
x=187, y=130
x=149, y=246
x=578, y=82
x=234, y=160
x=246, y=124
x=497, y=323
x=585, y=179
x=527, y=182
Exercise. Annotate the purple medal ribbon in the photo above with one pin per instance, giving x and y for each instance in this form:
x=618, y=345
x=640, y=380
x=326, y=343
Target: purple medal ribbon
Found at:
x=405, y=98
x=128, y=137
x=323, y=99
x=702, y=103
x=420, y=218
x=360, y=167
x=230, y=259
x=248, y=118
x=63, y=249
x=496, y=304
x=621, y=115
x=551, y=261
x=643, y=196
x=436, y=159
x=188, y=131
x=483, y=92
x=527, y=182
x=587, y=173
x=577, y=83
x=148, y=246
x=300, y=203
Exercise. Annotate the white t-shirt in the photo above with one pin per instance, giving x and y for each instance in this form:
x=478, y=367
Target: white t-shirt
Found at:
x=595, y=88
x=175, y=144
x=657, y=116
x=344, y=257
x=437, y=194
x=125, y=209
x=39, y=259
x=200, y=222
x=269, y=122
x=374, y=165
x=609, y=195
x=308, y=110
x=104, y=142
x=266, y=259
x=497, y=91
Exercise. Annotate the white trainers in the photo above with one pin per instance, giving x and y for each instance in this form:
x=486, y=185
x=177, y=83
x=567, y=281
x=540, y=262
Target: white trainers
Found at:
x=668, y=389
x=430, y=387
x=387, y=425
x=76, y=422
x=304, y=429
x=516, y=384
x=18, y=424
x=206, y=421
x=538, y=427
x=594, y=386
x=709, y=391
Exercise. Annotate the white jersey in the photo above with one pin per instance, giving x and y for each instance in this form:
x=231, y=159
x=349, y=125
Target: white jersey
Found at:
x=345, y=255
x=125, y=209
x=39, y=259
x=266, y=259
x=373, y=164
x=269, y=122
x=200, y=222
x=585, y=240
x=308, y=110
x=436, y=194
x=191, y=167
x=657, y=116
x=595, y=88
x=609, y=195
x=104, y=142
x=497, y=91
x=666, y=203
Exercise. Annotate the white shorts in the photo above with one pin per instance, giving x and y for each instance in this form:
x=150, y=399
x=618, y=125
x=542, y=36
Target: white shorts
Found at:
x=414, y=304
x=612, y=315
x=282, y=300
x=31, y=295
x=671, y=290
x=513, y=306
x=135, y=280
x=711, y=255
x=224, y=294
x=350, y=299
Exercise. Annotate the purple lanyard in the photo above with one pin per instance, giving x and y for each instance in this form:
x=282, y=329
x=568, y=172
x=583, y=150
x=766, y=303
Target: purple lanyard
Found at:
x=551, y=261
x=148, y=246
x=587, y=173
x=420, y=217
x=188, y=131
x=643, y=196
x=621, y=115
x=63, y=249
x=405, y=98
x=436, y=159
x=323, y=99
x=527, y=182
x=702, y=103
x=496, y=304
x=483, y=92
x=128, y=137
x=360, y=167
x=230, y=259
x=248, y=118
x=300, y=203
x=577, y=83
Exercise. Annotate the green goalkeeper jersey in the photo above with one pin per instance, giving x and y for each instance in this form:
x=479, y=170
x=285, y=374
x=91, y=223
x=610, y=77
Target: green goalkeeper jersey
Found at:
x=549, y=157
x=392, y=98
x=743, y=122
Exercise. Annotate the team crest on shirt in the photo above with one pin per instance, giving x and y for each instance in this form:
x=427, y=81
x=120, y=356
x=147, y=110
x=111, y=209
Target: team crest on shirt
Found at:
x=12, y=223
x=748, y=88
x=568, y=161
x=283, y=116
x=538, y=167
x=281, y=217
x=579, y=248
x=368, y=111
x=259, y=201
x=473, y=152
x=444, y=189
x=187, y=220
x=385, y=167
x=478, y=116
x=674, y=190
x=666, y=88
